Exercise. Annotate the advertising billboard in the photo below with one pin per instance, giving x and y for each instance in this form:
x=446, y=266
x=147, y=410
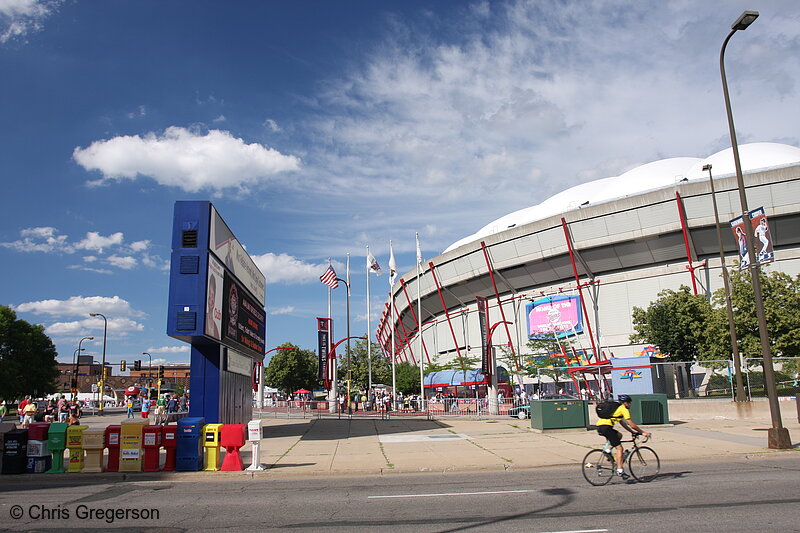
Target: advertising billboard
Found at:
x=228, y=249
x=214, y=290
x=559, y=315
x=762, y=238
x=243, y=319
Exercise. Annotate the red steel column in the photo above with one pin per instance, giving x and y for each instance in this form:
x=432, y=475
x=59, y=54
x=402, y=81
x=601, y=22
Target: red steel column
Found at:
x=497, y=294
x=691, y=268
x=414, y=315
x=580, y=287
x=444, y=307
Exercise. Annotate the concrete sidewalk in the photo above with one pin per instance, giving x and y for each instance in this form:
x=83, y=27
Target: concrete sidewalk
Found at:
x=331, y=447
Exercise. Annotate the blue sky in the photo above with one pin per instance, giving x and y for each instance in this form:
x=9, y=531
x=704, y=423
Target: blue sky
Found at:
x=320, y=127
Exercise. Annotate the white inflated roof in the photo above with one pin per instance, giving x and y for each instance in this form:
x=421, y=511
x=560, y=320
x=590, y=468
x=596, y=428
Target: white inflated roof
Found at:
x=650, y=176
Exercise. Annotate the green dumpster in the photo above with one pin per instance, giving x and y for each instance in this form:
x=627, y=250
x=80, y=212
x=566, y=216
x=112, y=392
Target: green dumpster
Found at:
x=559, y=414
x=649, y=409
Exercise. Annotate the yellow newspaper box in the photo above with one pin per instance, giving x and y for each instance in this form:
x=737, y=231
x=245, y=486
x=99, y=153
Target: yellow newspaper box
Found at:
x=130, y=444
x=94, y=444
x=211, y=444
x=75, y=445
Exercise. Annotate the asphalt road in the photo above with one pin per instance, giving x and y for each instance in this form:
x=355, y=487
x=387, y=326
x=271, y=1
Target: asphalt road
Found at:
x=742, y=494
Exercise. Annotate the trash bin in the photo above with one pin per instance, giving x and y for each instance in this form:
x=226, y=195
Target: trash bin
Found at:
x=254, y=435
x=151, y=442
x=112, y=434
x=232, y=439
x=94, y=444
x=169, y=440
x=15, y=451
x=57, y=443
x=130, y=445
x=649, y=409
x=559, y=414
x=39, y=460
x=189, y=449
x=75, y=445
x=211, y=433
x=4, y=428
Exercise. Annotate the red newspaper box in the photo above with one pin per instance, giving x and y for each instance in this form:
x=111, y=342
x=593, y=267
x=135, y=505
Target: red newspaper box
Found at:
x=232, y=437
x=151, y=443
x=169, y=440
x=112, y=443
x=38, y=430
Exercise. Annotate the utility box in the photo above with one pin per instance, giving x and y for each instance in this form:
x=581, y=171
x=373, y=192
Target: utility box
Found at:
x=559, y=414
x=130, y=445
x=169, y=440
x=649, y=409
x=189, y=449
x=211, y=442
x=57, y=443
x=75, y=445
x=15, y=451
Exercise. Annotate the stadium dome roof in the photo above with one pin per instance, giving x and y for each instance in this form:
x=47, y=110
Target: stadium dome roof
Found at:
x=647, y=177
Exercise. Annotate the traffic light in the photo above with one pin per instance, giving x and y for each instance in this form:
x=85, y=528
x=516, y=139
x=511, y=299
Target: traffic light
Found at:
x=160, y=371
x=122, y=366
x=137, y=366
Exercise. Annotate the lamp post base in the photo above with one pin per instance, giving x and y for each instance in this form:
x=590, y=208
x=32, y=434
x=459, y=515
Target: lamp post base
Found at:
x=778, y=438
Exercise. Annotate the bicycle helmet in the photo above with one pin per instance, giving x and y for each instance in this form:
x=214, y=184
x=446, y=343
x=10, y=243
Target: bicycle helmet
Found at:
x=624, y=398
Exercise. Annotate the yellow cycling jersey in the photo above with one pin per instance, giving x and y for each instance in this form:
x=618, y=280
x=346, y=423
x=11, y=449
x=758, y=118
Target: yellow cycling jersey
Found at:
x=620, y=413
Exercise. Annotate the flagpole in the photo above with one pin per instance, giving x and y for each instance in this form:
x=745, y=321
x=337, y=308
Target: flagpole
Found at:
x=334, y=392
x=392, y=274
x=349, y=368
x=419, y=329
x=369, y=344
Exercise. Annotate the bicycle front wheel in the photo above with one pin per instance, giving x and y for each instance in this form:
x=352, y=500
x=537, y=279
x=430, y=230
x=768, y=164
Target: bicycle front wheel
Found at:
x=643, y=464
x=597, y=467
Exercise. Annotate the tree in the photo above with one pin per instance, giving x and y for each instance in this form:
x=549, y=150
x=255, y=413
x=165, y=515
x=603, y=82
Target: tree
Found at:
x=675, y=322
x=27, y=358
x=291, y=369
x=359, y=366
x=547, y=357
x=407, y=377
x=781, y=301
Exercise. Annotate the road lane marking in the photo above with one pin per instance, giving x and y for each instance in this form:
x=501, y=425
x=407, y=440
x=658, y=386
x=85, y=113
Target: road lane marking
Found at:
x=578, y=531
x=451, y=494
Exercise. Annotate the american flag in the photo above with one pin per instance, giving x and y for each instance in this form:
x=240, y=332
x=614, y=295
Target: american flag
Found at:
x=329, y=278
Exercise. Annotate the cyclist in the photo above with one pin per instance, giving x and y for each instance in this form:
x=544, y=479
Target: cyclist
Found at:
x=605, y=427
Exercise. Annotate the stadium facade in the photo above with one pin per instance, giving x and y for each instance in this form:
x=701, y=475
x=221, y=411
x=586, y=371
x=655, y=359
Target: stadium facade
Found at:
x=601, y=248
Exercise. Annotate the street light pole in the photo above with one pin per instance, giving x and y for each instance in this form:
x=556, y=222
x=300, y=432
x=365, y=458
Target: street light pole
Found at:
x=75, y=364
x=349, y=372
x=103, y=368
x=777, y=435
x=149, y=369
x=737, y=363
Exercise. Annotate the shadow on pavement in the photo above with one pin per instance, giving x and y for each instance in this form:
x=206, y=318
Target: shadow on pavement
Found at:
x=342, y=429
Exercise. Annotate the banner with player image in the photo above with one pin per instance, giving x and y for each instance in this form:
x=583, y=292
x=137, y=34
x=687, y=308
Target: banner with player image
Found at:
x=762, y=238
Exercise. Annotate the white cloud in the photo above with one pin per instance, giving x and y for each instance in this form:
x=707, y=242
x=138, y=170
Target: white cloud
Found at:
x=95, y=241
x=287, y=310
x=140, y=246
x=81, y=306
x=20, y=17
x=186, y=159
x=119, y=326
x=272, y=125
x=283, y=268
x=125, y=263
x=41, y=239
x=220, y=118
x=184, y=348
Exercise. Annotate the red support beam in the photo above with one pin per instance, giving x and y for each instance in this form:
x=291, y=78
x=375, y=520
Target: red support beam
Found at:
x=682, y=215
x=416, y=319
x=497, y=294
x=444, y=307
x=580, y=286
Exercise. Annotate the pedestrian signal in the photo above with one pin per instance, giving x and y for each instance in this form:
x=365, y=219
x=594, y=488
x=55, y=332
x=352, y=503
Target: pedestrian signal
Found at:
x=161, y=372
x=122, y=366
x=137, y=366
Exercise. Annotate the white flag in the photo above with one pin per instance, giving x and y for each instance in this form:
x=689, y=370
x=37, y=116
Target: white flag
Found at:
x=419, y=252
x=372, y=264
x=392, y=265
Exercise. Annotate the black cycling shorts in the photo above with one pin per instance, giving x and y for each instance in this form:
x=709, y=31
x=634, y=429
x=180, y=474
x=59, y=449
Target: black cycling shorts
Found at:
x=613, y=436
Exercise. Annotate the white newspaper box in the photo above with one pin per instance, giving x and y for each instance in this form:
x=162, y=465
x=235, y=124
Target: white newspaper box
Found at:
x=254, y=436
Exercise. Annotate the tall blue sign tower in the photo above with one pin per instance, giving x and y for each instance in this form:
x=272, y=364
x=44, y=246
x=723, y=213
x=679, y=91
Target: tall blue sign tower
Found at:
x=216, y=303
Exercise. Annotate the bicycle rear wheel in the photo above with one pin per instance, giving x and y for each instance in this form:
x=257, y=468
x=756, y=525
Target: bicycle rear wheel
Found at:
x=597, y=467
x=643, y=464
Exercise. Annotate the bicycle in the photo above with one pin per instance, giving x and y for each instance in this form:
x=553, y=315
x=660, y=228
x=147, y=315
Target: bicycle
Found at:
x=598, y=466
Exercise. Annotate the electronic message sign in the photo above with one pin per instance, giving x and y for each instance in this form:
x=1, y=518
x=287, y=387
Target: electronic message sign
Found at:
x=559, y=315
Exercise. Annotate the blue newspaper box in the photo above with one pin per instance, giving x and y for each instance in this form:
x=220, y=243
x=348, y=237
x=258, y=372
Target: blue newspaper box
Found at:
x=189, y=446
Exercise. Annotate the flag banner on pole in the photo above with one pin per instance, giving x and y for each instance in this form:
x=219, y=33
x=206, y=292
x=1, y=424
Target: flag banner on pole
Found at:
x=372, y=264
x=392, y=265
x=419, y=252
x=323, y=341
x=329, y=278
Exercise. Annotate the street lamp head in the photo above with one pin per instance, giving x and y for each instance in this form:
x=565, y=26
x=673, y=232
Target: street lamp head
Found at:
x=744, y=20
x=88, y=338
x=706, y=168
